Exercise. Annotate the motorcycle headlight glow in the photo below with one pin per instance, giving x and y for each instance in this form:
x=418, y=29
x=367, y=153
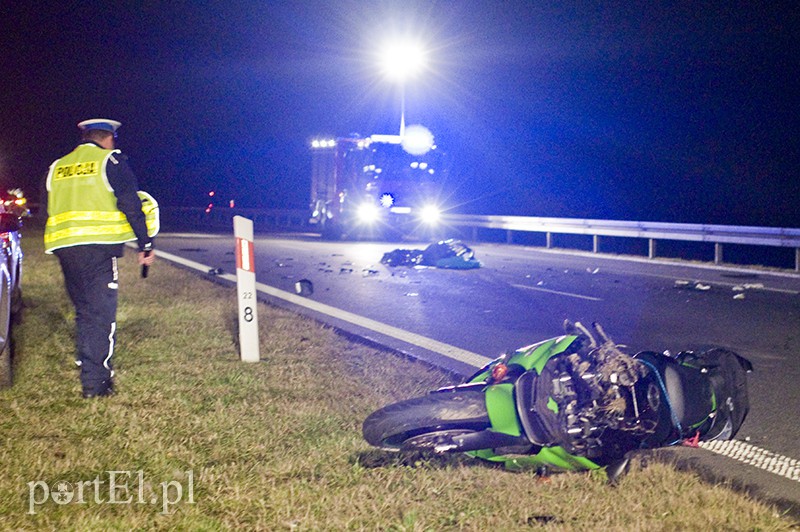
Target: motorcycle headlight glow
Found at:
x=430, y=214
x=367, y=212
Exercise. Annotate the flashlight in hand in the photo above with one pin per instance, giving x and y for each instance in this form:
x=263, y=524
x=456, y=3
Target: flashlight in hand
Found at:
x=148, y=249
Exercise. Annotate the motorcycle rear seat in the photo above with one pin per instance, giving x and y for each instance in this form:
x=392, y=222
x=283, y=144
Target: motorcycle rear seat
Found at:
x=689, y=390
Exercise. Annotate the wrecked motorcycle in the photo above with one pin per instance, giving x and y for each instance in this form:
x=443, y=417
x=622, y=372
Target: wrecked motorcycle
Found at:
x=573, y=403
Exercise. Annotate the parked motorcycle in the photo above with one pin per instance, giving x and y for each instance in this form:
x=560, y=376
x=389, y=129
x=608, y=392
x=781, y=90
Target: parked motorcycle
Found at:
x=573, y=403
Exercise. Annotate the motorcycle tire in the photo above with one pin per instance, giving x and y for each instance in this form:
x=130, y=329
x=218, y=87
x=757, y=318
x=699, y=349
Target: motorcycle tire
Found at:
x=415, y=422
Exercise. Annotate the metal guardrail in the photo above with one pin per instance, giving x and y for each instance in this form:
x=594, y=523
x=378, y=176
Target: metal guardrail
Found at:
x=718, y=235
x=652, y=231
x=222, y=217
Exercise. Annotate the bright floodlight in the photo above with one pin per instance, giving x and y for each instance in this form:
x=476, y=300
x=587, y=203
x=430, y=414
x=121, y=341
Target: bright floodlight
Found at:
x=417, y=140
x=402, y=60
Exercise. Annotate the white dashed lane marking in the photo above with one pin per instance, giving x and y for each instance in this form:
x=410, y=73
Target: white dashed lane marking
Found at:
x=568, y=294
x=755, y=456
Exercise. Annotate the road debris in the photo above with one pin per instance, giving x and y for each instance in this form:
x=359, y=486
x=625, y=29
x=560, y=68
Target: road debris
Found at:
x=692, y=285
x=748, y=286
x=741, y=288
x=449, y=254
x=304, y=287
x=369, y=271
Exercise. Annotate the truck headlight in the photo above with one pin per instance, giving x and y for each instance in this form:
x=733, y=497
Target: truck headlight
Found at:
x=367, y=212
x=430, y=214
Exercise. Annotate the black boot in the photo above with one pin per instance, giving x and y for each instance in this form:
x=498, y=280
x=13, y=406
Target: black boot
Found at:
x=105, y=389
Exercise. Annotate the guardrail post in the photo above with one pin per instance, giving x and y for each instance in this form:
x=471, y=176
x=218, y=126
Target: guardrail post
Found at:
x=596, y=244
x=549, y=237
x=797, y=259
x=509, y=237
x=717, y=253
x=474, y=233
x=651, y=248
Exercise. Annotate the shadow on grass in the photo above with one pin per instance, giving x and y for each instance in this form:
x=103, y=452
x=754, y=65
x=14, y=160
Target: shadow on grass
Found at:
x=377, y=458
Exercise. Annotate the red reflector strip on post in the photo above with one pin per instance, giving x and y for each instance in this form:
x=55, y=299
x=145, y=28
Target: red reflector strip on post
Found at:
x=244, y=255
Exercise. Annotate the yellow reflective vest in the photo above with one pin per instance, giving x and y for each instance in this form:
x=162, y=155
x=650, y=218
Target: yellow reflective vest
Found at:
x=82, y=208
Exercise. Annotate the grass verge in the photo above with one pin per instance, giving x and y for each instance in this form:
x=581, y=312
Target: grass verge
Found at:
x=196, y=440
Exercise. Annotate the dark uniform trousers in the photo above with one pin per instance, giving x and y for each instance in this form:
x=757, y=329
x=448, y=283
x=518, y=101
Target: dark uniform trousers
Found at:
x=90, y=275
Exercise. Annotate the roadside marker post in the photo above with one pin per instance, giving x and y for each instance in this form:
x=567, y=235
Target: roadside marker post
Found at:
x=246, y=289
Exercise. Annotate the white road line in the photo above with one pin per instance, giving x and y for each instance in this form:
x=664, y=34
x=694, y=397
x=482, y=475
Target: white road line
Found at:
x=568, y=294
x=755, y=456
x=669, y=263
x=450, y=351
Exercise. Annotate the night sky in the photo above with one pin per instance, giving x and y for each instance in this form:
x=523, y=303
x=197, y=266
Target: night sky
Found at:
x=663, y=111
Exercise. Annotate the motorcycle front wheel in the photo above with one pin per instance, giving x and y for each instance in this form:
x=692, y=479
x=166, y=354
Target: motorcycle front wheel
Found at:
x=423, y=421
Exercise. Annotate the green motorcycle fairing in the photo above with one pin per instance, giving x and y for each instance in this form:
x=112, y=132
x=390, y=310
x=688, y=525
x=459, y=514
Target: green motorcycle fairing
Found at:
x=502, y=410
x=547, y=457
x=533, y=356
x=501, y=407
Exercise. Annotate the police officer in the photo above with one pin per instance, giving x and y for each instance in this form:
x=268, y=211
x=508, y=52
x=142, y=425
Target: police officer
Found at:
x=93, y=209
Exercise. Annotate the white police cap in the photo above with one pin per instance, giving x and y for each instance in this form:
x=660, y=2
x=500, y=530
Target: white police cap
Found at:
x=100, y=123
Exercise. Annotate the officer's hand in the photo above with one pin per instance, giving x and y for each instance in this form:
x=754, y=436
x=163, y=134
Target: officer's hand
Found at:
x=147, y=258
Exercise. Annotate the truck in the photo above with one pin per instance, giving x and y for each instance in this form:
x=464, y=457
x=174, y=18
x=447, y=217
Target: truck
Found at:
x=378, y=186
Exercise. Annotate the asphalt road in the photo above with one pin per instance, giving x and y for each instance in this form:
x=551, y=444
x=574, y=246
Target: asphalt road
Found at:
x=521, y=295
